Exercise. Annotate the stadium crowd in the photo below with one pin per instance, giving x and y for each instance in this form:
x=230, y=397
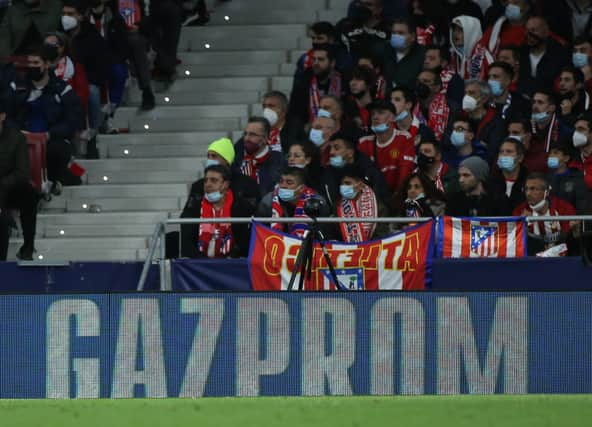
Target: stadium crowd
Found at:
x=402, y=108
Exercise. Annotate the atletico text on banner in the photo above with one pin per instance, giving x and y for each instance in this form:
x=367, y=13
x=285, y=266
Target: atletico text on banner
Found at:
x=401, y=261
x=481, y=237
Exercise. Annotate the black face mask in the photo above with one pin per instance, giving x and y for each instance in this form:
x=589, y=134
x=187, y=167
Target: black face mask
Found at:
x=422, y=91
x=425, y=162
x=359, y=95
x=35, y=74
x=51, y=51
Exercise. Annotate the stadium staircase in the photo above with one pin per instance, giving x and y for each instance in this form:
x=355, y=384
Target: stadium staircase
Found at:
x=248, y=48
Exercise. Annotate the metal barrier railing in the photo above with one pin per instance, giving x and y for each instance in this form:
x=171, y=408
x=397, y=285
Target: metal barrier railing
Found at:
x=159, y=236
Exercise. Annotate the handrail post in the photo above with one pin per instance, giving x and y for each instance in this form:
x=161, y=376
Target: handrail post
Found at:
x=149, y=257
x=162, y=260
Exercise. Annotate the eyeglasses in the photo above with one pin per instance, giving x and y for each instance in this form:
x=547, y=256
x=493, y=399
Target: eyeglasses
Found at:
x=252, y=134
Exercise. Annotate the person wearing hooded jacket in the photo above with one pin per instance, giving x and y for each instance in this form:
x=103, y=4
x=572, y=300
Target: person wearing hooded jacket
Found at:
x=465, y=32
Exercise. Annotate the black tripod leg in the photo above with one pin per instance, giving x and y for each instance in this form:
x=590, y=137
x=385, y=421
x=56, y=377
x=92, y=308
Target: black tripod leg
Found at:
x=300, y=264
x=336, y=282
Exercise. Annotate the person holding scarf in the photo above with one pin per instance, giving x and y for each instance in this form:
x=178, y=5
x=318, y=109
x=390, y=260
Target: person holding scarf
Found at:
x=358, y=200
x=219, y=201
x=287, y=200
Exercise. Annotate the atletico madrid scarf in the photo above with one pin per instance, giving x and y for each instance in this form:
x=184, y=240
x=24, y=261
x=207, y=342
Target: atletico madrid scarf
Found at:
x=277, y=211
x=315, y=93
x=438, y=113
x=222, y=233
x=252, y=163
x=365, y=206
x=274, y=139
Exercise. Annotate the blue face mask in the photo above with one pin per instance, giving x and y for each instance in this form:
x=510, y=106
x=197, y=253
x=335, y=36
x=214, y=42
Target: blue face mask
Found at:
x=496, y=87
x=324, y=113
x=316, y=137
x=287, y=194
x=513, y=12
x=579, y=59
x=553, y=162
x=381, y=128
x=347, y=191
x=516, y=137
x=506, y=163
x=213, y=197
x=457, y=138
x=402, y=116
x=540, y=117
x=337, y=161
x=398, y=42
x=212, y=162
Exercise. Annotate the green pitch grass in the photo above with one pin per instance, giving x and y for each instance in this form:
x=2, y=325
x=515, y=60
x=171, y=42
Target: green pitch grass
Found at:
x=457, y=411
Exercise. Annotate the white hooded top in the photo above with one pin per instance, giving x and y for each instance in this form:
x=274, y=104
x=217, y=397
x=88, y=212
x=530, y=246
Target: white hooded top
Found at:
x=472, y=34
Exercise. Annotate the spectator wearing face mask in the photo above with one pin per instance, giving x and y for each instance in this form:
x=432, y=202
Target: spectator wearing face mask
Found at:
x=358, y=200
x=254, y=158
x=465, y=32
x=474, y=197
x=508, y=29
x=46, y=104
x=24, y=25
x=404, y=57
x=510, y=54
x=573, y=98
x=507, y=103
x=437, y=59
x=344, y=155
x=92, y=51
x=287, y=200
x=582, y=141
x=305, y=156
x=543, y=235
x=404, y=99
x=323, y=127
x=512, y=177
x=429, y=162
x=567, y=182
x=321, y=79
x=547, y=129
x=542, y=57
x=65, y=68
x=464, y=143
x=390, y=149
x=285, y=129
x=489, y=127
x=218, y=199
x=582, y=52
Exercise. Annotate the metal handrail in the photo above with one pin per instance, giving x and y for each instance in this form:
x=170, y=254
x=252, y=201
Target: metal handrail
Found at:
x=158, y=237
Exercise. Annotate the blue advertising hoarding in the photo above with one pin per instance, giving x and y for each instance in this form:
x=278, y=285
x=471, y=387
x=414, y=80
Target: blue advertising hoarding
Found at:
x=292, y=344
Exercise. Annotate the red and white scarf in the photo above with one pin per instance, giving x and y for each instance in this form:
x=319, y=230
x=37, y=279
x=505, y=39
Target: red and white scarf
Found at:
x=252, y=163
x=315, y=93
x=274, y=139
x=425, y=36
x=222, y=233
x=438, y=113
x=307, y=64
x=380, y=87
x=64, y=69
x=277, y=211
x=364, y=206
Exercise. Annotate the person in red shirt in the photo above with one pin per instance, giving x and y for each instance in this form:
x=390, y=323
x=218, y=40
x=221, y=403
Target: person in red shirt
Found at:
x=543, y=235
x=582, y=140
x=392, y=150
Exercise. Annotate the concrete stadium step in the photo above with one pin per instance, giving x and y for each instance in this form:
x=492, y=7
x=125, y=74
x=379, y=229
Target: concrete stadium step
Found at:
x=243, y=32
x=149, y=177
x=287, y=69
x=71, y=243
x=232, y=57
x=283, y=84
x=131, y=191
x=333, y=15
x=102, y=219
x=197, y=43
x=127, y=114
x=62, y=253
x=228, y=84
x=134, y=97
x=220, y=125
x=123, y=205
x=243, y=70
x=263, y=6
x=140, y=166
x=123, y=230
x=160, y=139
x=153, y=151
x=257, y=16
x=295, y=54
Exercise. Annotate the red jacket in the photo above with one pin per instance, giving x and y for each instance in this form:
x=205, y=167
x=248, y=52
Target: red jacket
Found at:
x=557, y=207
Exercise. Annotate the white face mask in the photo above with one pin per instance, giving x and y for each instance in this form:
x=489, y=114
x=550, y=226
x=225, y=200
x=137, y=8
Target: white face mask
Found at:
x=579, y=139
x=271, y=116
x=469, y=103
x=69, y=22
x=536, y=207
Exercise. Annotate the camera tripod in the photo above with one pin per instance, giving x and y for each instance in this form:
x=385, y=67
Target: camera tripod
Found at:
x=305, y=259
